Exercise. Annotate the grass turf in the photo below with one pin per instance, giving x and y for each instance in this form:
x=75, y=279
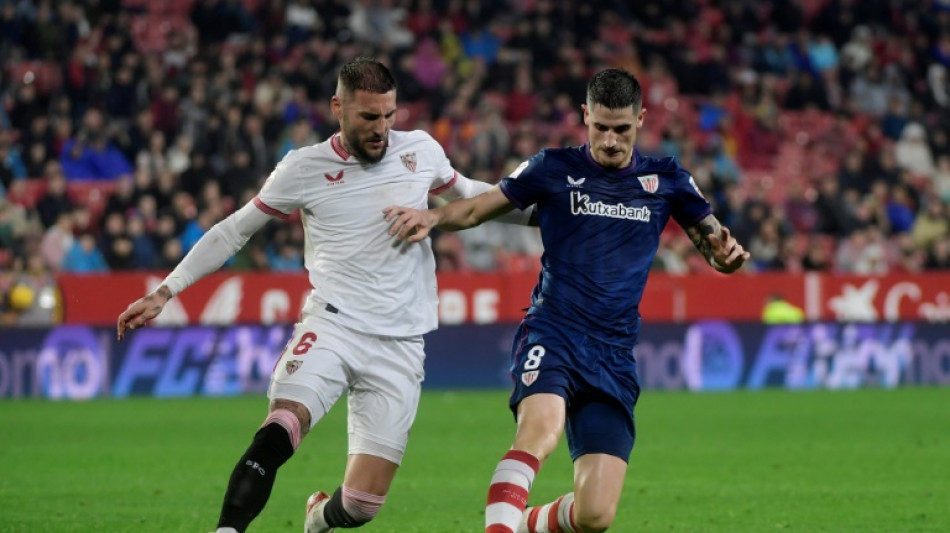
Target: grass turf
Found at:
x=859, y=461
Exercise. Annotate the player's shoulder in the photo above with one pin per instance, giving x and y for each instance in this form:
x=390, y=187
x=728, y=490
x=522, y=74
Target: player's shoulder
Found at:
x=418, y=139
x=567, y=153
x=669, y=165
x=557, y=157
x=319, y=151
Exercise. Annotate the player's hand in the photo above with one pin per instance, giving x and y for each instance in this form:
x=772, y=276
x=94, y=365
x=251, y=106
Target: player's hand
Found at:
x=409, y=224
x=143, y=310
x=727, y=254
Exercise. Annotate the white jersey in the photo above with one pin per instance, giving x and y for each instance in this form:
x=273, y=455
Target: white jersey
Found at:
x=361, y=278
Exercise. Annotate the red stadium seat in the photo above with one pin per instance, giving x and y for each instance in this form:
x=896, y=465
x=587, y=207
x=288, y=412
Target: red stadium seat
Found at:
x=92, y=194
x=45, y=75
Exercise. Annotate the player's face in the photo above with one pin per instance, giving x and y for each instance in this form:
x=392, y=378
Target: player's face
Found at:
x=365, y=120
x=613, y=132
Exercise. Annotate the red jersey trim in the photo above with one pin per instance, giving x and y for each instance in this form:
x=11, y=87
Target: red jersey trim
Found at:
x=269, y=210
x=337, y=146
x=442, y=188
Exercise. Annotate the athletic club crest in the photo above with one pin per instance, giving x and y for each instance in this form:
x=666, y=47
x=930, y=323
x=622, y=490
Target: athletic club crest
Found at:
x=409, y=161
x=529, y=377
x=293, y=365
x=650, y=182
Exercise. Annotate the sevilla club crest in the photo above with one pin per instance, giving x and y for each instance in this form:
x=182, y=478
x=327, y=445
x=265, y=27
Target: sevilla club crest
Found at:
x=409, y=161
x=293, y=365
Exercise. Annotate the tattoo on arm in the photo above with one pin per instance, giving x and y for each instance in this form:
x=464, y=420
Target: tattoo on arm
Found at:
x=697, y=233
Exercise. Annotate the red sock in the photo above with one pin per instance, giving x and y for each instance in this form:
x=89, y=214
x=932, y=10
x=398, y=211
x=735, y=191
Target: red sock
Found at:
x=508, y=493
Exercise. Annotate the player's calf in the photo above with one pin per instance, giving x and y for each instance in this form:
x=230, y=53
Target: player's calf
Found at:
x=253, y=477
x=593, y=517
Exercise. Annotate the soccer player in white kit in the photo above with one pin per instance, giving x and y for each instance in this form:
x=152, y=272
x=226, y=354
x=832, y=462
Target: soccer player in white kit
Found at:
x=361, y=327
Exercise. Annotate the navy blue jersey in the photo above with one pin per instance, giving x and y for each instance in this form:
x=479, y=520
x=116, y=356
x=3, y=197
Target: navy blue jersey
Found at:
x=601, y=230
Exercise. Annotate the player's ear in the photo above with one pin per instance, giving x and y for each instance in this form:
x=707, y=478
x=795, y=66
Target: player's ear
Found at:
x=640, y=117
x=586, y=114
x=336, y=107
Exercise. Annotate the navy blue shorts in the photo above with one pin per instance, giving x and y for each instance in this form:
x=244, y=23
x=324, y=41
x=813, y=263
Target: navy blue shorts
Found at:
x=598, y=382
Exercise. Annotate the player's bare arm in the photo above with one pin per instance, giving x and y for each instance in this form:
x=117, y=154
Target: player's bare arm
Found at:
x=413, y=225
x=721, y=250
x=144, y=309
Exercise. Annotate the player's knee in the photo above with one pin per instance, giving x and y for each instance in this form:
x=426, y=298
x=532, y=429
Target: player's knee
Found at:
x=287, y=420
x=349, y=508
x=596, y=519
x=292, y=416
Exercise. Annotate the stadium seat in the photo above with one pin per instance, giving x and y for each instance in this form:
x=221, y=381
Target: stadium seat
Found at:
x=46, y=75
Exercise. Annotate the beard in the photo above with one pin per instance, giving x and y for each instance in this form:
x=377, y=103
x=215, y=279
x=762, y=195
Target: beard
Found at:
x=358, y=151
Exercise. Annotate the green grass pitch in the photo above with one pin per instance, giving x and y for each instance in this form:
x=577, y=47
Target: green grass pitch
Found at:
x=860, y=461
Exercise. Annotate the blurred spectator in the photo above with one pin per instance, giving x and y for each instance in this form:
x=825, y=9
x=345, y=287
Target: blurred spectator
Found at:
x=941, y=178
x=55, y=199
x=194, y=229
x=232, y=86
x=931, y=225
x=84, y=256
x=939, y=256
x=778, y=310
x=152, y=159
x=42, y=308
x=91, y=155
x=11, y=164
x=912, y=151
x=900, y=210
x=301, y=134
x=57, y=241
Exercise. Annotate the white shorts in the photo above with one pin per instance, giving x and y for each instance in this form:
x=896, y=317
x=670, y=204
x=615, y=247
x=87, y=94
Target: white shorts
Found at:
x=381, y=375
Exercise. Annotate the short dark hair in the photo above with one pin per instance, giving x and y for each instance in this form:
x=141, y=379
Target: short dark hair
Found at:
x=614, y=89
x=366, y=74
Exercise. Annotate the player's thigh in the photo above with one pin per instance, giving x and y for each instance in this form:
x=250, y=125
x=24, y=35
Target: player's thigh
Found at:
x=384, y=395
x=312, y=369
x=598, y=483
x=597, y=423
x=540, y=424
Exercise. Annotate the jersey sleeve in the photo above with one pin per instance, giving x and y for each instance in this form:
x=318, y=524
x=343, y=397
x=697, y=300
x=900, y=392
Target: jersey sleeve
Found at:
x=526, y=185
x=281, y=193
x=445, y=175
x=689, y=204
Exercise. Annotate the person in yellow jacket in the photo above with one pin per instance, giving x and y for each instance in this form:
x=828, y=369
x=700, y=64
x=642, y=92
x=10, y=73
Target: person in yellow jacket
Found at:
x=778, y=310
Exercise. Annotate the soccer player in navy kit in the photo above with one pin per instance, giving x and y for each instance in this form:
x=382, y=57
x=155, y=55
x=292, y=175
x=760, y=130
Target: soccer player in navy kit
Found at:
x=601, y=208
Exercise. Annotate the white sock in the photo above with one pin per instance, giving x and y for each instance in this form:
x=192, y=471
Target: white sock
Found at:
x=226, y=530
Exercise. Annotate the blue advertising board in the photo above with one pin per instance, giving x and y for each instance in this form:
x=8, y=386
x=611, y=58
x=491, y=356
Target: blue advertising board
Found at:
x=78, y=362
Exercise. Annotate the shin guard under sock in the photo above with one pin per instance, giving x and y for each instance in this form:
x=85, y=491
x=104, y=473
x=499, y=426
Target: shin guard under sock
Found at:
x=253, y=477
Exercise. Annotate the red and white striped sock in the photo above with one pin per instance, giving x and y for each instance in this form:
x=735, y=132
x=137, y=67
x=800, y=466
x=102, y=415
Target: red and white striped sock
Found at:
x=508, y=492
x=555, y=517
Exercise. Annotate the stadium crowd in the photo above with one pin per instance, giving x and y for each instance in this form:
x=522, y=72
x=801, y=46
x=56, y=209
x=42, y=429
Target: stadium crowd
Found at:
x=817, y=128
